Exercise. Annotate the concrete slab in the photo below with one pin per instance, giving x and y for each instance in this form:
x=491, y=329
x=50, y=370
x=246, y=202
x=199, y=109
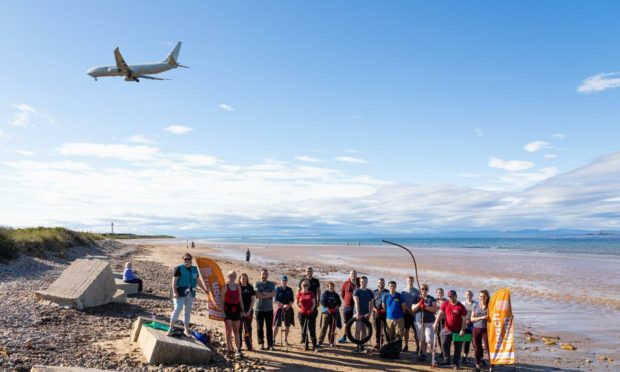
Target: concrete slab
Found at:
x=129, y=288
x=137, y=326
x=159, y=348
x=118, y=275
x=120, y=297
x=85, y=283
x=63, y=369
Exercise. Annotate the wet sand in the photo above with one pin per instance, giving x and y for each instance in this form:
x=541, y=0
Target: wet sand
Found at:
x=552, y=294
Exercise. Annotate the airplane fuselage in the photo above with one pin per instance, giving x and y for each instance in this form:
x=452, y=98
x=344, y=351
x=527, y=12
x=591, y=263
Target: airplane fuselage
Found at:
x=143, y=69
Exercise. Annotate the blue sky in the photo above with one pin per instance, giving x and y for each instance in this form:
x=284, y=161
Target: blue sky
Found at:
x=406, y=116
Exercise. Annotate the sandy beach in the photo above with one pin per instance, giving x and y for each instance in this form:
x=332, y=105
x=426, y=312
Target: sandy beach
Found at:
x=551, y=295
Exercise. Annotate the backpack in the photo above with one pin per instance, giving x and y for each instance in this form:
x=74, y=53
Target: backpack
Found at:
x=391, y=350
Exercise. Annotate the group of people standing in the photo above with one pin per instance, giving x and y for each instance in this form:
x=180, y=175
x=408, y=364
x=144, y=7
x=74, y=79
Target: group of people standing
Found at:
x=393, y=314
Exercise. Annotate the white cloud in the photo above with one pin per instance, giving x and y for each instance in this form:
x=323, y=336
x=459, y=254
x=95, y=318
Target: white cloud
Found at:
x=510, y=165
x=287, y=198
x=5, y=135
x=136, y=138
x=550, y=156
x=350, y=159
x=25, y=152
x=600, y=82
x=536, y=146
x=27, y=165
x=25, y=115
x=560, y=136
x=226, y=107
x=308, y=159
x=113, y=151
x=479, y=132
x=178, y=129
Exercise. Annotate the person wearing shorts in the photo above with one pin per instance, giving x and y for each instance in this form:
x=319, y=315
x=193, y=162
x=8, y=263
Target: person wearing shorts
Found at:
x=233, y=308
x=424, y=318
x=284, y=309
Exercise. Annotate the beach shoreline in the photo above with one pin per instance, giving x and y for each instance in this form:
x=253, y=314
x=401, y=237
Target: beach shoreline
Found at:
x=333, y=263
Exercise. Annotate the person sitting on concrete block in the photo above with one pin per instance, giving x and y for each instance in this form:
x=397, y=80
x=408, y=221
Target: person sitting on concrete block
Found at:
x=130, y=277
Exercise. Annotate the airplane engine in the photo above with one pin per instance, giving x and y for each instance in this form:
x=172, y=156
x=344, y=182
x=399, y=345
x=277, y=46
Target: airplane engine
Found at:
x=130, y=78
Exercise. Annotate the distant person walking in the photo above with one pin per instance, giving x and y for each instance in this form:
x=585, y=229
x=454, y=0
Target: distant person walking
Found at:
x=363, y=298
x=394, y=306
x=193, y=244
x=129, y=276
x=233, y=308
x=284, y=316
x=184, y=282
x=247, y=255
x=346, y=293
x=454, y=313
x=379, y=312
x=306, y=305
x=330, y=301
x=479, y=317
x=265, y=291
x=411, y=296
x=248, y=296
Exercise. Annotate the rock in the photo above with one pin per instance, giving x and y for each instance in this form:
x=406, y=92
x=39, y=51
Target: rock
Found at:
x=589, y=361
x=568, y=347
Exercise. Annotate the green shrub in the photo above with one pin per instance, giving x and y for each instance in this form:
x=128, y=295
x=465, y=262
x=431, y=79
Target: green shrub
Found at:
x=8, y=250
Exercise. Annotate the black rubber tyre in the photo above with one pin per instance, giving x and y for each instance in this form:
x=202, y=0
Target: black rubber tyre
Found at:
x=350, y=335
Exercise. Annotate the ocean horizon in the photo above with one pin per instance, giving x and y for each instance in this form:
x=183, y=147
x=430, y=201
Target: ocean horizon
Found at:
x=574, y=244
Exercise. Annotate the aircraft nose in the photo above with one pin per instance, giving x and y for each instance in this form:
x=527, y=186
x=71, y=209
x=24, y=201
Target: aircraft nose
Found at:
x=90, y=72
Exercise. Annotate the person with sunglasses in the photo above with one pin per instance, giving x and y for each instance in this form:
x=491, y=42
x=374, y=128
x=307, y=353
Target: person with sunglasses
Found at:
x=315, y=287
x=424, y=312
x=184, y=282
x=306, y=304
x=455, y=315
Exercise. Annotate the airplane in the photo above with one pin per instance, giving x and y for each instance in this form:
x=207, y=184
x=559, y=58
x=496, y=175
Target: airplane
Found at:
x=137, y=72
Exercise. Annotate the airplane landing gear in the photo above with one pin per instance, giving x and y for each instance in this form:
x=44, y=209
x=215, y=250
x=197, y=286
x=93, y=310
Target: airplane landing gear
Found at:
x=95, y=79
x=137, y=80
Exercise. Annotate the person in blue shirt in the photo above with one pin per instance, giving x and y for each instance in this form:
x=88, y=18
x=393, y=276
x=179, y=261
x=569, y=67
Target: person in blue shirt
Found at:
x=184, y=283
x=129, y=276
x=394, y=307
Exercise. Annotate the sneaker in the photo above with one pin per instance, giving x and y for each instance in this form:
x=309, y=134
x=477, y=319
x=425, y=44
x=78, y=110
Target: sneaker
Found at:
x=331, y=345
x=262, y=347
x=238, y=354
x=456, y=366
x=405, y=349
x=444, y=364
x=270, y=348
x=342, y=340
x=306, y=347
x=421, y=357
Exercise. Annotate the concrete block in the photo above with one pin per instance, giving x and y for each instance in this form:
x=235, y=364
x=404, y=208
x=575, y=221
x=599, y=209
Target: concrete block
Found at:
x=159, y=348
x=63, y=369
x=85, y=283
x=120, y=297
x=118, y=275
x=129, y=288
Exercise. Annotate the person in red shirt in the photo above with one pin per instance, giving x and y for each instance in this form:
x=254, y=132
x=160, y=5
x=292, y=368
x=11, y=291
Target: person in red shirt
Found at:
x=455, y=314
x=346, y=293
x=306, y=304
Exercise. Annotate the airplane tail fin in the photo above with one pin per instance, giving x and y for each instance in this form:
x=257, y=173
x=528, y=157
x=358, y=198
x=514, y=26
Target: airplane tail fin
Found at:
x=173, y=55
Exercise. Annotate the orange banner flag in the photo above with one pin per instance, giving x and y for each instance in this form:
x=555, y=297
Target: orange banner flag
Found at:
x=500, y=328
x=213, y=279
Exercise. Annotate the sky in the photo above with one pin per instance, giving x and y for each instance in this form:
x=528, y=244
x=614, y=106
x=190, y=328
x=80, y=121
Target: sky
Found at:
x=312, y=117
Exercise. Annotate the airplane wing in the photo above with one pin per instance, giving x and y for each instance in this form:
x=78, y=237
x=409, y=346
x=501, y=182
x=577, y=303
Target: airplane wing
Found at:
x=151, y=77
x=121, y=64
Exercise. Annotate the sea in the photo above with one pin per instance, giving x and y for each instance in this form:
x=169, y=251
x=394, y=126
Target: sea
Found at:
x=563, y=244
